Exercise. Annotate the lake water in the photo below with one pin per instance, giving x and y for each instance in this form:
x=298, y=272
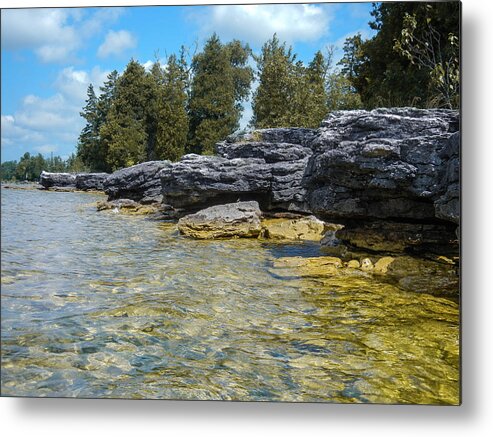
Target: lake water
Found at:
x=100, y=304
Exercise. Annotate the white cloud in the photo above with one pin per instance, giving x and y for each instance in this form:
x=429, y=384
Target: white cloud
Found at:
x=52, y=122
x=73, y=83
x=116, y=42
x=53, y=34
x=257, y=23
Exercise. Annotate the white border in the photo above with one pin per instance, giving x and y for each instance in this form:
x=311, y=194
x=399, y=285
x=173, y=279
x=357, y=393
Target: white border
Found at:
x=55, y=417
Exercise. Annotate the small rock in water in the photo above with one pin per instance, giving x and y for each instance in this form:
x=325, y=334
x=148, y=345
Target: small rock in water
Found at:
x=366, y=265
x=353, y=264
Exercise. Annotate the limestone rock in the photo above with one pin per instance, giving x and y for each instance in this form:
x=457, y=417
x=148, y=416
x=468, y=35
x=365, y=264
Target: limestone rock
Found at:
x=366, y=265
x=49, y=180
x=379, y=164
x=421, y=275
x=319, y=266
x=234, y=220
x=307, y=228
x=266, y=166
x=447, y=206
x=353, y=264
x=395, y=237
x=140, y=182
x=127, y=206
x=90, y=181
x=382, y=265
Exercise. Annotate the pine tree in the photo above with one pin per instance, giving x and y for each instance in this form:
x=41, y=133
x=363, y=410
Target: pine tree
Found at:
x=88, y=144
x=273, y=99
x=221, y=81
x=315, y=77
x=154, y=84
x=172, y=127
x=124, y=131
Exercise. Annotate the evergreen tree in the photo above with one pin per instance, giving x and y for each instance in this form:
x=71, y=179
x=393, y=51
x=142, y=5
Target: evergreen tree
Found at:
x=154, y=86
x=221, y=80
x=272, y=100
x=172, y=127
x=312, y=107
x=105, y=101
x=124, y=131
x=88, y=145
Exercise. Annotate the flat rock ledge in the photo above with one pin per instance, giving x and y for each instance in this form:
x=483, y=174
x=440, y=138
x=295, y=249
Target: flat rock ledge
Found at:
x=72, y=182
x=128, y=206
x=140, y=183
x=437, y=276
x=233, y=220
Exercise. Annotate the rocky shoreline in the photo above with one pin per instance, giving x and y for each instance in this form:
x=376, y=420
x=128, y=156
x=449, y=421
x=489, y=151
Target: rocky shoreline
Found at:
x=379, y=189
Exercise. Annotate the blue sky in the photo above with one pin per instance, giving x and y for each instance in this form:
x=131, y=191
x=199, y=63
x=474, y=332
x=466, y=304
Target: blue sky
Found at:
x=49, y=56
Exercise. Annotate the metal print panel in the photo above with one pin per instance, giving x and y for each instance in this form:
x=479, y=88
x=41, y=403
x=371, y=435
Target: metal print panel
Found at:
x=236, y=202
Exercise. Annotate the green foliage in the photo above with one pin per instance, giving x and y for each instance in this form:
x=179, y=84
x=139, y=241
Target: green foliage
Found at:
x=385, y=71
x=172, y=118
x=92, y=150
x=88, y=145
x=221, y=81
x=124, y=132
x=8, y=170
x=421, y=44
x=291, y=94
x=276, y=74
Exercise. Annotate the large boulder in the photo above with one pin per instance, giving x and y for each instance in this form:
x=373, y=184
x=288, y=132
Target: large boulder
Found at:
x=381, y=164
x=140, y=182
x=261, y=166
x=50, y=180
x=233, y=220
x=90, y=181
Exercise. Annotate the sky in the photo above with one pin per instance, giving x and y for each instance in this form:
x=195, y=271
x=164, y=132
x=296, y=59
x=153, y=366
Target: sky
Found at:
x=50, y=56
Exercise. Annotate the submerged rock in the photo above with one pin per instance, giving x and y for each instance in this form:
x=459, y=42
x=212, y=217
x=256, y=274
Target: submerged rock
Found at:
x=306, y=228
x=234, y=220
x=438, y=276
x=140, y=183
x=127, y=206
x=395, y=237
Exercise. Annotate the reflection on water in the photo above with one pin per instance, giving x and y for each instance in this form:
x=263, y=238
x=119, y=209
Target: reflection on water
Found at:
x=107, y=305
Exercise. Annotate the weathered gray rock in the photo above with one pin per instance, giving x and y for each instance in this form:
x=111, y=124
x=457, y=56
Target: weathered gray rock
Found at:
x=259, y=166
x=140, y=182
x=238, y=220
x=447, y=206
x=49, y=180
x=380, y=164
x=90, y=181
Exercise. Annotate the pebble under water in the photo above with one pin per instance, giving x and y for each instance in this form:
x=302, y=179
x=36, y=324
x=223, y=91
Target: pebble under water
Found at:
x=105, y=305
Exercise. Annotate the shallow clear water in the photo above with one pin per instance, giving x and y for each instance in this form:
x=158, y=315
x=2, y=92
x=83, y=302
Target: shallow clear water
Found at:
x=108, y=305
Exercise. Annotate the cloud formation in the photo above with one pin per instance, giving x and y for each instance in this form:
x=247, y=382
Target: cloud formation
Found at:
x=46, y=124
x=53, y=34
x=257, y=23
x=116, y=42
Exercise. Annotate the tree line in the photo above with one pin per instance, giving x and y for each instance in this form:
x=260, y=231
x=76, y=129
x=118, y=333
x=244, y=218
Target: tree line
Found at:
x=29, y=167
